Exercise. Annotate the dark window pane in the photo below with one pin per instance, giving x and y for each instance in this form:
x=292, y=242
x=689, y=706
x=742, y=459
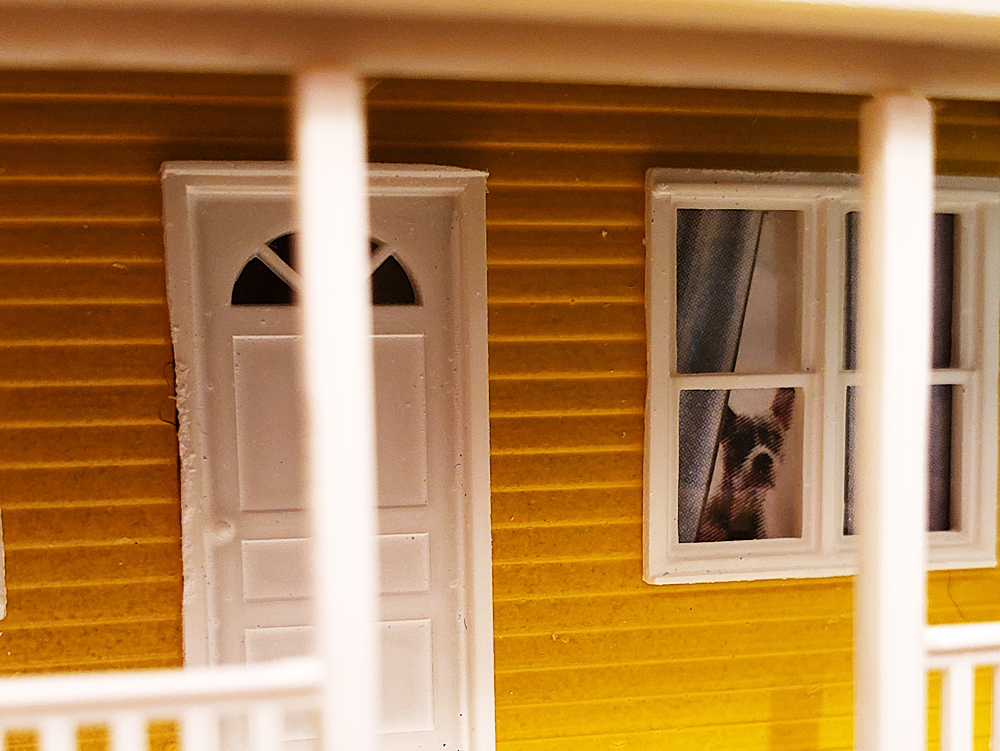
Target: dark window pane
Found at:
x=943, y=291
x=939, y=460
x=258, y=285
x=391, y=284
x=284, y=248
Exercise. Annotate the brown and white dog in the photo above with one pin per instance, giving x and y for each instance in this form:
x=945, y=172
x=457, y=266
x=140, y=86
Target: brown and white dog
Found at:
x=751, y=449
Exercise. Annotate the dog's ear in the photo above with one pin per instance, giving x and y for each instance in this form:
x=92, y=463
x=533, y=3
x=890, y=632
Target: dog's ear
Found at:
x=728, y=421
x=781, y=407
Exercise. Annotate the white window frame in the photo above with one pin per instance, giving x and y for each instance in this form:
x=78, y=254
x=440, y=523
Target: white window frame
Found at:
x=823, y=201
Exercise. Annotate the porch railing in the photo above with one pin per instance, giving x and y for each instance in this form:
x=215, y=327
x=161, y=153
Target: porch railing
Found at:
x=201, y=700
x=957, y=651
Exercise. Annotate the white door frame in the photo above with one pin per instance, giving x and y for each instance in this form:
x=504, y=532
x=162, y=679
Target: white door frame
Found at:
x=182, y=182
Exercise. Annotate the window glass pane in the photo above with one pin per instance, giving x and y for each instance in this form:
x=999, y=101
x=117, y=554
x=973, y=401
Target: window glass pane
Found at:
x=740, y=464
x=738, y=277
x=943, y=326
x=940, y=460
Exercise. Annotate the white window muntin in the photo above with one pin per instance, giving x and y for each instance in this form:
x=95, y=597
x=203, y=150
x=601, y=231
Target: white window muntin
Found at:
x=822, y=202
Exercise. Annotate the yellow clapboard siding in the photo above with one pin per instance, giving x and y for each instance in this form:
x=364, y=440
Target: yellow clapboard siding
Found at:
x=566, y=204
x=89, y=523
x=605, y=358
x=105, y=280
x=107, y=320
x=92, y=602
x=575, y=542
x=565, y=243
x=532, y=395
x=114, y=482
x=88, y=443
x=611, y=319
x=76, y=403
x=669, y=710
x=131, y=638
x=566, y=469
x=142, y=120
x=598, y=130
x=517, y=508
x=649, y=677
x=86, y=199
x=614, y=646
x=568, y=284
x=53, y=85
x=126, y=559
x=564, y=431
x=83, y=362
x=82, y=240
x=691, y=606
x=80, y=159
x=89, y=467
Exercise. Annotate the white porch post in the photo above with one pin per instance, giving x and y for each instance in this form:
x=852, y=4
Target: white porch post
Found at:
x=897, y=175
x=333, y=223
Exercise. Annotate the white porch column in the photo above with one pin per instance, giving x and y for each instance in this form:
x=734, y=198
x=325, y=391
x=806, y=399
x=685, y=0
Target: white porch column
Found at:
x=897, y=176
x=333, y=224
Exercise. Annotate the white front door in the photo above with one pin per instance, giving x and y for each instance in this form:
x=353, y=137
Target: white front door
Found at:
x=240, y=392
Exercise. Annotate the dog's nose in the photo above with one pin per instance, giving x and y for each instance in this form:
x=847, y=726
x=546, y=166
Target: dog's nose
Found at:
x=762, y=464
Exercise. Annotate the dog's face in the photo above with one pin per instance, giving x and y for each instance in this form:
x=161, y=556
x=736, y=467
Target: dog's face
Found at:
x=753, y=445
x=752, y=449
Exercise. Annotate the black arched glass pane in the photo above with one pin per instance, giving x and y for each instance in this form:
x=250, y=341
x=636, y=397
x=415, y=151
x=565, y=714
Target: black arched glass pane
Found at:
x=258, y=285
x=391, y=285
x=284, y=248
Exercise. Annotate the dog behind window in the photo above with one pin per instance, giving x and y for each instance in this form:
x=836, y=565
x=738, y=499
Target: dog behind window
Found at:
x=751, y=450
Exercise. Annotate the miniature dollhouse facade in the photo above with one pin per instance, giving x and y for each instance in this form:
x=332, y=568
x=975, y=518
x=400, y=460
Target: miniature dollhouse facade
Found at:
x=586, y=654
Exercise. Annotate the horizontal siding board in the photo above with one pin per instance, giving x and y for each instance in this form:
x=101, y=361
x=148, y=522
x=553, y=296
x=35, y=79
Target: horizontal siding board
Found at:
x=569, y=470
x=532, y=395
x=134, y=638
x=38, y=526
x=85, y=403
x=691, y=606
x=84, y=200
x=77, y=158
x=94, y=321
x=616, y=131
x=92, y=602
x=91, y=443
x=565, y=243
x=676, y=710
x=559, y=358
x=587, y=505
x=577, y=542
x=54, y=84
x=81, y=240
x=568, y=284
x=127, y=559
x=511, y=434
x=563, y=650
x=112, y=482
x=143, y=119
x=533, y=319
x=566, y=204
x=634, y=678
x=106, y=280
x=85, y=362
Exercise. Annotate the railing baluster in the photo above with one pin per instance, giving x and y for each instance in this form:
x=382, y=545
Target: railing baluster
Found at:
x=128, y=732
x=200, y=729
x=995, y=717
x=957, y=702
x=267, y=726
x=57, y=733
